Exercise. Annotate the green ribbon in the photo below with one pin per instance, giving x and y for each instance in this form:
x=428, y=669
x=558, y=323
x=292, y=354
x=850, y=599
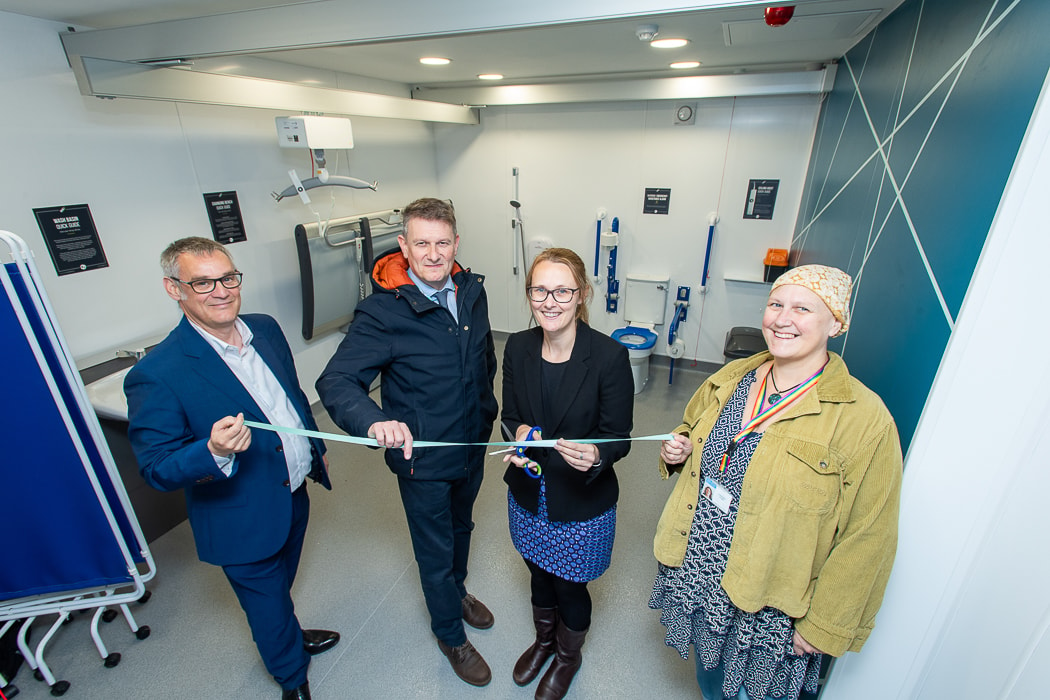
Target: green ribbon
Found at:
x=371, y=442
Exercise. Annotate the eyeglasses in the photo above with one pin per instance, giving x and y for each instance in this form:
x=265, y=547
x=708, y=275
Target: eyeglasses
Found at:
x=562, y=295
x=205, y=286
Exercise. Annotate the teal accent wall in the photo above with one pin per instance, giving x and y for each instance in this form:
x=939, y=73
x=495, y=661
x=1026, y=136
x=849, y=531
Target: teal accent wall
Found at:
x=913, y=150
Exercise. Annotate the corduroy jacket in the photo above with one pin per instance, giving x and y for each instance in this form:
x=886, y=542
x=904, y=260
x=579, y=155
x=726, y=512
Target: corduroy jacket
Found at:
x=816, y=528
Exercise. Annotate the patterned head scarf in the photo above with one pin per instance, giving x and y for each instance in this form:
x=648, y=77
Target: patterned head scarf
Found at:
x=831, y=284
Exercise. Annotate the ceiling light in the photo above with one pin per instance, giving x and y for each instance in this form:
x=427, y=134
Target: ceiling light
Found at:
x=435, y=61
x=684, y=65
x=668, y=43
x=490, y=76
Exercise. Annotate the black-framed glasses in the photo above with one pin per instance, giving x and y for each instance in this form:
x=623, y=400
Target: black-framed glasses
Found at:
x=562, y=295
x=206, y=286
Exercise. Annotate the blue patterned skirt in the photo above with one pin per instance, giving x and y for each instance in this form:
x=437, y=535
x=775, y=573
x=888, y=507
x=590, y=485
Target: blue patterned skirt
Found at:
x=575, y=551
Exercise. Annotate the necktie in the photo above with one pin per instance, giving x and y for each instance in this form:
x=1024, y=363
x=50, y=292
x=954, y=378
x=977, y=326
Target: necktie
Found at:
x=441, y=298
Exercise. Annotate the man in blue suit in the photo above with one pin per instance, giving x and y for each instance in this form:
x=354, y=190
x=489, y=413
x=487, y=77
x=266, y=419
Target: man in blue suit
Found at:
x=245, y=492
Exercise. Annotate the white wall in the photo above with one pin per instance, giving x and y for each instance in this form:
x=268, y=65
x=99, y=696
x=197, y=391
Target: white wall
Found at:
x=966, y=612
x=574, y=159
x=143, y=166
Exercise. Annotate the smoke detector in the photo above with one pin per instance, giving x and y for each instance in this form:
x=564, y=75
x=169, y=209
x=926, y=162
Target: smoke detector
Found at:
x=646, y=32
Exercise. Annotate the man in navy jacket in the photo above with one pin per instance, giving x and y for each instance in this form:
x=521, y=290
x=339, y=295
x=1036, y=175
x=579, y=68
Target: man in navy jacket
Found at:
x=188, y=399
x=425, y=329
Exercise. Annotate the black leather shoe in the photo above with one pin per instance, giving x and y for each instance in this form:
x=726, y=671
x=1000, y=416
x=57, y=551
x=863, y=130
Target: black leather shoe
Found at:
x=300, y=693
x=476, y=614
x=467, y=663
x=319, y=641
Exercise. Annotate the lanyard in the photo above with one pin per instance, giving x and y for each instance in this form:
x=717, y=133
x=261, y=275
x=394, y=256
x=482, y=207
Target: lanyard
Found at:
x=757, y=417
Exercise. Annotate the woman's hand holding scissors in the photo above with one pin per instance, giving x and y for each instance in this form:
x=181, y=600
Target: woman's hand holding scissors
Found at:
x=517, y=457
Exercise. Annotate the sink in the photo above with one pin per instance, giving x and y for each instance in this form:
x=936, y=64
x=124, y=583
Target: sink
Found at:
x=107, y=396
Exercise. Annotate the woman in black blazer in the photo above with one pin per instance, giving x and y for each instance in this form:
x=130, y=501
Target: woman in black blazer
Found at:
x=563, y=379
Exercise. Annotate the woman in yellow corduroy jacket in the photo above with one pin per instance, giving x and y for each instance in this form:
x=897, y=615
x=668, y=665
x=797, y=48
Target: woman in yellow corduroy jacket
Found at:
x=776, y=543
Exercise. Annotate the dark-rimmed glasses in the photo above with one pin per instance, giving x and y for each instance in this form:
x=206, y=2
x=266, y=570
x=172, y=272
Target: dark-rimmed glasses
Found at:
x=206, y=286
x=562, y=295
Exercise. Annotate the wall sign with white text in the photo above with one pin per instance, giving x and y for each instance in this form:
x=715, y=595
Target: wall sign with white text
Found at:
x=71, y=238
x=657, y=200
x=224, y=214
x=761, y=197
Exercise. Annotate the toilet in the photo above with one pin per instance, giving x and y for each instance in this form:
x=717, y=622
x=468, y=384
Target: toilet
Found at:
x=644, y=306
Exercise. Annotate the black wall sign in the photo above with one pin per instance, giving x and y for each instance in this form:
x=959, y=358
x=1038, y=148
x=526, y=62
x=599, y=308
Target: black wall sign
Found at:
x=224, y=214
x=72, y=241
x=761, y=196
x=657, y=200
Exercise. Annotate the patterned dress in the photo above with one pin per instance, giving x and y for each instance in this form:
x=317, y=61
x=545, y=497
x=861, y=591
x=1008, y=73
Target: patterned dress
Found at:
x=755, y=649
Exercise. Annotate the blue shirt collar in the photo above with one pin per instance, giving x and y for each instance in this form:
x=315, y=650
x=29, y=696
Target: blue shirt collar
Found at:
x=427, y=290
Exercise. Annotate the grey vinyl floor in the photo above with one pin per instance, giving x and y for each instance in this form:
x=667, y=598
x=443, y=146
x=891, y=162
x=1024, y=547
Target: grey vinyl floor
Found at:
x=358, y=576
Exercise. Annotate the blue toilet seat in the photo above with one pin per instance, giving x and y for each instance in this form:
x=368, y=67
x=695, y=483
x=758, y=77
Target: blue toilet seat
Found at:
x=635, y=338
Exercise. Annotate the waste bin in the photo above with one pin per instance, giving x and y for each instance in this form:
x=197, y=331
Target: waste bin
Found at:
x=775, y=264
x=743, y=341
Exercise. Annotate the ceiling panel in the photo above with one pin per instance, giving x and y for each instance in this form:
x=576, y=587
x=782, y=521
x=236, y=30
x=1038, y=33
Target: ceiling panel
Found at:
x=726, y=37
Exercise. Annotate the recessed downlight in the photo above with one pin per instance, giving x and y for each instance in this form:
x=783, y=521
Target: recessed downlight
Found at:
x=435, y=61
x=490, y=76
x=685, y=65
x=668, y=43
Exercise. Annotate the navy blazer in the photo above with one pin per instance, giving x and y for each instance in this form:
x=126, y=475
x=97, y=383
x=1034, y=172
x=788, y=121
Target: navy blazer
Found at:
x=594, y=400
x=175, y=394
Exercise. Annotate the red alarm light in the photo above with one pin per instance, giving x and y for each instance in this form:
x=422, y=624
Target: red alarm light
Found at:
x=779, y=16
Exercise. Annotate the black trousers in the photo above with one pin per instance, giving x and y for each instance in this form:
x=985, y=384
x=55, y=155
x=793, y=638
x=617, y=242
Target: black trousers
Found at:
x=440, y=521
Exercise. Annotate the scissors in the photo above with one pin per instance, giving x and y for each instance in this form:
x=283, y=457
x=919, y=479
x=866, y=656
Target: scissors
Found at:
x=531, y=468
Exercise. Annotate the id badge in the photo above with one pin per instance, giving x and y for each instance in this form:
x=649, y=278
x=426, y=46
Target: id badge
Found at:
x=716, y=493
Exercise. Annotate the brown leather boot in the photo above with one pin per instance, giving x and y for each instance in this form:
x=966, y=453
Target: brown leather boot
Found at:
x=530, y=663
x=567, y=659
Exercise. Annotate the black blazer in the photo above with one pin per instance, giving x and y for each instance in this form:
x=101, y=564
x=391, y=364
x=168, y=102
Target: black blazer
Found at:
x=595, y=400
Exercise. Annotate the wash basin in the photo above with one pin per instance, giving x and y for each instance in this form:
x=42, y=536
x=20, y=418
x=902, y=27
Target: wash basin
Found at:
x=107, y=396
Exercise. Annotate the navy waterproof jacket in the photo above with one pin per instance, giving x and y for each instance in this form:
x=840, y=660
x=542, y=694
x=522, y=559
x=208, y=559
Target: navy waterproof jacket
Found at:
x=436, y=373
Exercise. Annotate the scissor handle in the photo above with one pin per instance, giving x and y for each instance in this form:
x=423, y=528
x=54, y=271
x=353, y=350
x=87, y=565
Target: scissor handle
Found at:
x=534, y=473
x=532, y=431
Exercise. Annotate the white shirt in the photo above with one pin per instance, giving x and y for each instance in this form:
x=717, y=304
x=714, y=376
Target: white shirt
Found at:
x=257, y=378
